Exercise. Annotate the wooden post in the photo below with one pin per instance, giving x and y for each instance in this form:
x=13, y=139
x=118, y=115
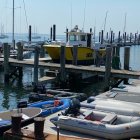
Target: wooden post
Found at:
x=54, y=32
x=90, y=30
x=20, y=51
x=30, y=33
x=75, y=53
x=39, y=128
x=135, y=38
x=130, y=37
x=99, y=36
x=108, y=66
x=51, y=33
x=111, y=38
x=42, y=55
x=62, y=64
x=36, y=61
x=119, y=38
x=107, y=36
x=124, y=38
x=6, y=62
x=126, y=61
x=66, y=34
x=139, y=40
x=16, y=123
x=102, y=37
x=20, y=57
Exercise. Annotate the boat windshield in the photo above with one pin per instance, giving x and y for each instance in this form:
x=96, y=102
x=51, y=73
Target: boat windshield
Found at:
x=82, y=38
x=73, y=38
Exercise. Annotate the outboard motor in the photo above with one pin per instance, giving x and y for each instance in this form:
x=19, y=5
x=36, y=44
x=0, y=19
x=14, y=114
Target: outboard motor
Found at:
x=74, y=107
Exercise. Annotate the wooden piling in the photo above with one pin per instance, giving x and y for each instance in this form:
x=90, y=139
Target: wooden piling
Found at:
x=19, y=50
x=108, y=66
x=51, y=33
x=135, y=40
x=20, y=57
x=130, y=37
x=6, y=62
x=126, y=61
x=67, y=34
x=39, y=128
x=30, y=33
x=102, y=36
x=62, y=64
x=111, y=38
x=124, y=38
x=75, y=53
x=119, y=37
x=36, y=62
x=54, y=32
x=16, y=123
x=99, y=36
x=42, y=55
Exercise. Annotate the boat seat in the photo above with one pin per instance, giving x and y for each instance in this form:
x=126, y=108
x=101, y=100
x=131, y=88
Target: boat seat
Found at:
x=109, y=119
x=85, y=114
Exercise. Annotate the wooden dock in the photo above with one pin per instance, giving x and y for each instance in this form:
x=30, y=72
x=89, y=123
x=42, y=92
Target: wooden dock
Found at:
x=76, y=69
x=51, y=130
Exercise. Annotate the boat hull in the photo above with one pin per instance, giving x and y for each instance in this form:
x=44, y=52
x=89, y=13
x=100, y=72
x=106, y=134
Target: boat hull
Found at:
x=85, y=55
x=49, y=108
x=124, y=127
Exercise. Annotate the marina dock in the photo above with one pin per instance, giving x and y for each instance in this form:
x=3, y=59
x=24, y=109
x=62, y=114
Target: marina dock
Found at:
x=76, y=69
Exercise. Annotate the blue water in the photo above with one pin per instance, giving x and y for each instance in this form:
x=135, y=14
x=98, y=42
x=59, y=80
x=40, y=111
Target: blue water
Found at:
x=15, y=91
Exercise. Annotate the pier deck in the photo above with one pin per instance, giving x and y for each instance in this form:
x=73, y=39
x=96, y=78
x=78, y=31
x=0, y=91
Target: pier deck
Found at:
x=130, y=93
x=76, y=69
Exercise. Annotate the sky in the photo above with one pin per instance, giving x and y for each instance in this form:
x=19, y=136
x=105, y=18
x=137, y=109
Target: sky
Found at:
x=42, y=14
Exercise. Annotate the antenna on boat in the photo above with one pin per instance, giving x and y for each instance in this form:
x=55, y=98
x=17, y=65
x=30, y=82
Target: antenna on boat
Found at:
x=13, y=38
x=105, y=20
x=71, y=14
x=124, y=23
x=84, y=15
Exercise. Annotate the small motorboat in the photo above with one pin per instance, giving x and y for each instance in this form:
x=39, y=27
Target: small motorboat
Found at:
x=27, y=117
x=57, y=95
x=52, y=106
x=111, y=105
x=98, y=123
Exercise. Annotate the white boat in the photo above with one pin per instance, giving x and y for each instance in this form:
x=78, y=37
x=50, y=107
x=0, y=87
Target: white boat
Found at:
x=101, y=124
x=111, y=105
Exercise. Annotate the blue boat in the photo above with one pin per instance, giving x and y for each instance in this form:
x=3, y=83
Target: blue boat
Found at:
x=52, y=106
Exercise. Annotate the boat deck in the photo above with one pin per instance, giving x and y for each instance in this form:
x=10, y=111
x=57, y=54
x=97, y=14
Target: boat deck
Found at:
x=130, y=93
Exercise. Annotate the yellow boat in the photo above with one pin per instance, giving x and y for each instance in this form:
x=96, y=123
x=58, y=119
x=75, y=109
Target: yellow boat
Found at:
x=85, y=51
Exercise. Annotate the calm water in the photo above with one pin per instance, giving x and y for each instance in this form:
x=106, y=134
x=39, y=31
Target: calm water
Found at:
x=15, y=91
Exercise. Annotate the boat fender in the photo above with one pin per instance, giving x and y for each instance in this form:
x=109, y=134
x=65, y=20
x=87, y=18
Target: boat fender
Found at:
x=91, y=99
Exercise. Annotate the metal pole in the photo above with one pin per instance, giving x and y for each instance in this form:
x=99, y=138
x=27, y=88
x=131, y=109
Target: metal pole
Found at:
x=13, y=38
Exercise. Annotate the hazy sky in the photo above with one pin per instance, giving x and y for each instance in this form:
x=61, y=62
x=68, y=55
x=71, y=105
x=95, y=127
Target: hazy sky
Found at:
x=42, y=14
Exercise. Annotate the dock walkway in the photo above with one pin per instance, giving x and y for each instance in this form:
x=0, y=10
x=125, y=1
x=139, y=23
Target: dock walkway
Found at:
x=76, y=69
